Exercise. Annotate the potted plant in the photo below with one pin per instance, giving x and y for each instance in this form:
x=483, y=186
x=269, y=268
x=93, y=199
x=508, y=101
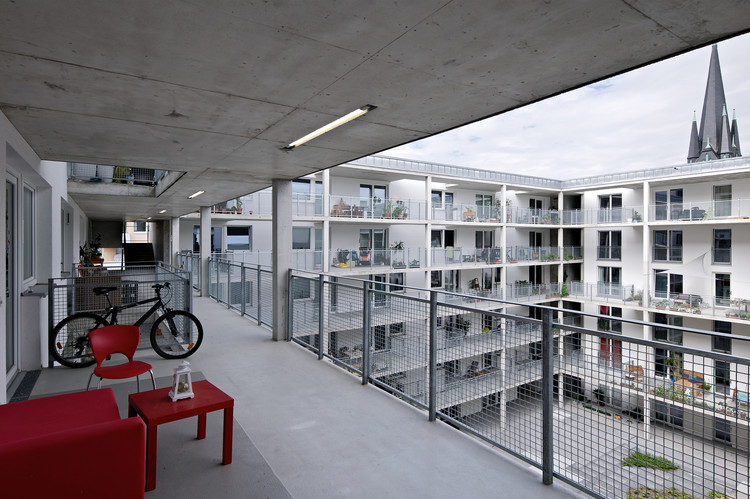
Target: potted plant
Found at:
x=636, y=216
x=564, y=290
x=90, y=254
x=414, y=264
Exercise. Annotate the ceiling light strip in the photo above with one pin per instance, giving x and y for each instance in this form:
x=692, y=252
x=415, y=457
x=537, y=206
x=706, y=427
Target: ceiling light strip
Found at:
x=195, y=194
x=337, y=123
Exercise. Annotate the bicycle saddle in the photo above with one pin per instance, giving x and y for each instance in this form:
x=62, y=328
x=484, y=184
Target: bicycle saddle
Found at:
x=104, y=289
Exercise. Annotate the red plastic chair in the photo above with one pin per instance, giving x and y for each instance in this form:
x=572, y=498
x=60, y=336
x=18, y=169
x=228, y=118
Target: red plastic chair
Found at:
x=123, y=339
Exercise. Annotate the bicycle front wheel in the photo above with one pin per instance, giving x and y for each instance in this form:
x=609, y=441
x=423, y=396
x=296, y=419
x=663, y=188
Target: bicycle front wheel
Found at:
x=69, y=341
x=176, y=335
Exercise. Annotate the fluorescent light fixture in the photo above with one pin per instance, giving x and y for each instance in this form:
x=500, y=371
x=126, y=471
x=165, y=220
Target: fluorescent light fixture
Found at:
x=149, y=218
x=195, y=194
x=330, y=126
x=163, y=211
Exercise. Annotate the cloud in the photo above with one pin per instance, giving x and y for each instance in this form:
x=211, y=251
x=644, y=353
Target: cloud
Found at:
x=635, y=120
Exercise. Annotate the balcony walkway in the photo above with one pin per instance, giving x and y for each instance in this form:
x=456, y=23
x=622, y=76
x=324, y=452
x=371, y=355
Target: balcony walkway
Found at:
x=306, y=429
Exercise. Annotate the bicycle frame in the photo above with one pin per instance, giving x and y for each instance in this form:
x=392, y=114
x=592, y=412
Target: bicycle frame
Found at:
x=113, y=310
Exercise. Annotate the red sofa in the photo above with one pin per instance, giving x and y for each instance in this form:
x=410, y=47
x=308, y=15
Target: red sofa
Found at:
x=73, y=445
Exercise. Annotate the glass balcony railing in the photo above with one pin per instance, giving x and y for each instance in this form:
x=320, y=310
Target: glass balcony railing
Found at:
x=694, y=211
x=377, y=208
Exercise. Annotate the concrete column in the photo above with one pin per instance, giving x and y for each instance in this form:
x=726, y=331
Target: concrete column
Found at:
x=646, y=245
x=205, y=247
x=326, y=257
x=282, y=255
x=174, y=239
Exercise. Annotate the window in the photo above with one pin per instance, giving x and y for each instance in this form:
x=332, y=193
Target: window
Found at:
x=668, y=204
x=719, y=344
x=723, y=289
x=609, y=281
x=452, y=279
x=436, y=238
x=379, y=296
x=396, y=281
x=610, y=245
x=723, y=375
x=301, y=238
x=483, y=239
x=29, y=241
x=437, y=199
x=372, y=199
x=436, y=279
x=610, y=208
x=238, y=238
x=380, y=338
x=722, y=250
x=666, y=334
x=484, y=206
x=139, y=226
x=610, y=350
x=300, y=189
x=668, y=245
x=722, y=200
x=667, y=285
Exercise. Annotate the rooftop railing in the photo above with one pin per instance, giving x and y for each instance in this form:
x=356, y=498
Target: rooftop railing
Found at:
x=115, y=174
x=583, y=405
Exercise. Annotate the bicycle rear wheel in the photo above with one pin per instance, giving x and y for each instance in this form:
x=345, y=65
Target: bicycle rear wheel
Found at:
x=69, y=341
x=176, y=335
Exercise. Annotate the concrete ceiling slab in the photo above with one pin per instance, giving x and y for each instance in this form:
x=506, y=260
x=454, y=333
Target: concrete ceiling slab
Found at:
x=216, y=89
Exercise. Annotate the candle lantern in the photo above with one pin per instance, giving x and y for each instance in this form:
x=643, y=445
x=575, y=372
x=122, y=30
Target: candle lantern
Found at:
x=182, y=385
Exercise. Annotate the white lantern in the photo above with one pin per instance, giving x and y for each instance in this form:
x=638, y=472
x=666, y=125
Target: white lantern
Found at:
x=182, y=386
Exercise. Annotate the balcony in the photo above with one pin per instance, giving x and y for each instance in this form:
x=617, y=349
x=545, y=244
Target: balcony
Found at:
x=700, y=211
x=108, y=174
x=377, y=208
x=287, y=419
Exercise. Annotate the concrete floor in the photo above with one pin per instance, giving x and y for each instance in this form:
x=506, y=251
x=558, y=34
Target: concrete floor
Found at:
x=320, y=431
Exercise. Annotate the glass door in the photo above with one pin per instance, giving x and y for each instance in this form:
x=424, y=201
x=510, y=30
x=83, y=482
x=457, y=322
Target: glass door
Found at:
x=11, y=344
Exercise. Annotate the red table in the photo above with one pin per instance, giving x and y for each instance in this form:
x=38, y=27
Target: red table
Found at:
x=155, y=408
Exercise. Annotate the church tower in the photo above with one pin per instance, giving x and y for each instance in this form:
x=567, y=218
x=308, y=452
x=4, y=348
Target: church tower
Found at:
x=715, y=139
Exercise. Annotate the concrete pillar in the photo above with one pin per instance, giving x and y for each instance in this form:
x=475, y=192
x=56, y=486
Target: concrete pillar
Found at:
x=205, y=247
x=326, y=257
x=428, y=225
x=282, y=254
x=646, y=244
x=174, y=239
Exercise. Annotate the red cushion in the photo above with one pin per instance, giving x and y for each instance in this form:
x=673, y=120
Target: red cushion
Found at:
x=35, y=417
x=120, y=371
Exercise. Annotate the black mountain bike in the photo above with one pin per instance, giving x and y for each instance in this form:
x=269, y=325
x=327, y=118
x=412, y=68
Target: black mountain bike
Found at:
x=176, y=334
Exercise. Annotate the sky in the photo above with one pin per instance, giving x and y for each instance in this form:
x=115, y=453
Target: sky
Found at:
x=634, y=121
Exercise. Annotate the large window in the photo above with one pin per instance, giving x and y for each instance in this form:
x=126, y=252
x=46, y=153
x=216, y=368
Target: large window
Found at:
x=723, y=200
x=723, y=284
x=483, y=239
x=28, y=232
x=722, y=250
x=667, y=285
x=372, y=199
x=721, y=344
x=610, y=350
x=667, y=362
x=301, y=238
x=139, y=226
x=610, y=208
x=610, y=279
x=238, y=238
x=610, y=245
x=484, y=206
x=668, y=245
x=300, y=189
x=668, y=204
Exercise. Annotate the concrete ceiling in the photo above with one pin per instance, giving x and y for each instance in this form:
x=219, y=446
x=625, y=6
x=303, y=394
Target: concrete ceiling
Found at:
x=216, y=88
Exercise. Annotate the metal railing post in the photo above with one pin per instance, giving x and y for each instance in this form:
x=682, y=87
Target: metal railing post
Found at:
x=259, y=295
x=229, y=285
x=290, y=307
x=51, y=315
x=433, y=357
x=365, y=332
x=243, y=298
x=321, y=314
x=548, y=364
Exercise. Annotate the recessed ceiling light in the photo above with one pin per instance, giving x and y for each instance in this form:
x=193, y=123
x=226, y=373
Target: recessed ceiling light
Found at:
x=195, y=194
x=330, y=126
x=163, y=211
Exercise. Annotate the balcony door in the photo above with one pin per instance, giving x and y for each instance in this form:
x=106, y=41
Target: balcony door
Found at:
x=11, y=336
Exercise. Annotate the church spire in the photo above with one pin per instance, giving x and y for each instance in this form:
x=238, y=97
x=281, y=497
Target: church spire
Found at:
x=694, y=149
x=714, y=130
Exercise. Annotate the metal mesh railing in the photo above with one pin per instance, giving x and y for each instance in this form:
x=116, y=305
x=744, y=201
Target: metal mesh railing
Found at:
x=70, y=295
x=613, y=414
x=190, y=262
x=245, y=288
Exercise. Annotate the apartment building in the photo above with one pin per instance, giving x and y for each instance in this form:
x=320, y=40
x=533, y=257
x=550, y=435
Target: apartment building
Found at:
x=662, y=245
